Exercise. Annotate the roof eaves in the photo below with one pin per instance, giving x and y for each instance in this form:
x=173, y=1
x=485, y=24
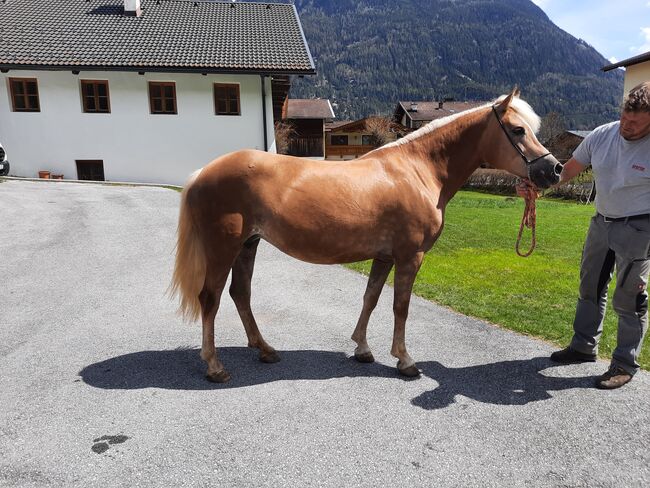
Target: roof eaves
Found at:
x=153, y=69
x=304, y=39
x=329, y=104
x=628, y=62
x=406, y=110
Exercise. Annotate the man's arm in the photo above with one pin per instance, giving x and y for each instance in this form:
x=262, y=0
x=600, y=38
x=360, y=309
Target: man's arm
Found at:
x=571, y=169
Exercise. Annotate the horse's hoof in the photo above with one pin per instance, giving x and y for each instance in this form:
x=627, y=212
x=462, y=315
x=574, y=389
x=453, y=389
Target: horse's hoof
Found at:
x=364, y=357
x=269, y=357
x=222, y=376
x=411, y=372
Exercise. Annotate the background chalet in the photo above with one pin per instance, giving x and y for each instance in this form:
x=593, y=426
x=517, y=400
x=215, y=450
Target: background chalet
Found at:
x=146, y=91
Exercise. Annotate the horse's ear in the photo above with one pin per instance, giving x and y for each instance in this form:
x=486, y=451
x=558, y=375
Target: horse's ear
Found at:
x=516, y=92
x=503, y=105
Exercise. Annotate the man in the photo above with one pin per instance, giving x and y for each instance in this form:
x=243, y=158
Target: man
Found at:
x=619, y=236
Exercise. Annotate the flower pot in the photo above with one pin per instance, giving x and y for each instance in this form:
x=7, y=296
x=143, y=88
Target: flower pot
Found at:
x=57, y=177
x=44, y=174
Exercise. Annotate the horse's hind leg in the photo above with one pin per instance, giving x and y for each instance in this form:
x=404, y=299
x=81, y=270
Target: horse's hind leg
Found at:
x=240, y=291
x=378, y=274
x=215, y=280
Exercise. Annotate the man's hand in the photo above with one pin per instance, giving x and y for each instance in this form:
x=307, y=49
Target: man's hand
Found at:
x=571, y=169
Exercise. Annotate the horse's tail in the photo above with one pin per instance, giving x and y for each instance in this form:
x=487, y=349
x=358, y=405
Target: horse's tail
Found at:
x=190, y=267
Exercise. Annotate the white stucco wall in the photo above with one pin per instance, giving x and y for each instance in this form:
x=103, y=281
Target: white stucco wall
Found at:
x=134, y=145
x=634, y=75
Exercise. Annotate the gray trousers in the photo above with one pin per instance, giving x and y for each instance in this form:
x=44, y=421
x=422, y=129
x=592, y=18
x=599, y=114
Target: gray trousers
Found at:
x=626, y=246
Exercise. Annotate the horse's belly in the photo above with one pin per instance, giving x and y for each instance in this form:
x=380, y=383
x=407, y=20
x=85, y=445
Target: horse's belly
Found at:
x=326, y=247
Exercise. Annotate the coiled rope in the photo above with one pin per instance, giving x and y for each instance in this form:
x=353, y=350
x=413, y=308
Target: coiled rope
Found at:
x=528, y=220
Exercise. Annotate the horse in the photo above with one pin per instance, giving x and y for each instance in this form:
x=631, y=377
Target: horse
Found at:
x=388, y=206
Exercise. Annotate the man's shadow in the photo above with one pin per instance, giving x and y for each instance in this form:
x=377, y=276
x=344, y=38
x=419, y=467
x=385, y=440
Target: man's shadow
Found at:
x=503, y=383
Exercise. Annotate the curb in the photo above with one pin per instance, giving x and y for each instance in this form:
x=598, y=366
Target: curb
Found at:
x=88, y=182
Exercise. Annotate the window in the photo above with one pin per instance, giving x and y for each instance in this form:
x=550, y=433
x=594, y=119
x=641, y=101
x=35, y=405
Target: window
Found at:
x=24, y=94
x=95, y=96
x=92, y=169
x=226, y=99
x=339, y=140
x=162, y=97
x=366, y=140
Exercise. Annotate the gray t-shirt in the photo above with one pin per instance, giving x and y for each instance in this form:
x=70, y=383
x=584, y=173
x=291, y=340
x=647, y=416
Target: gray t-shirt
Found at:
x=621, y=171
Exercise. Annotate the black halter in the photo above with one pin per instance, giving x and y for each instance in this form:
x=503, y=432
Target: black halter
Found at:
x=527, y=161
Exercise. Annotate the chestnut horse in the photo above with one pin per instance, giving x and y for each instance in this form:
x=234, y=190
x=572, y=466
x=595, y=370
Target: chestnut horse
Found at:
x=388, y=206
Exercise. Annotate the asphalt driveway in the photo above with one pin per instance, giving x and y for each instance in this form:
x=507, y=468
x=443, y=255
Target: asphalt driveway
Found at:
x=102, y=385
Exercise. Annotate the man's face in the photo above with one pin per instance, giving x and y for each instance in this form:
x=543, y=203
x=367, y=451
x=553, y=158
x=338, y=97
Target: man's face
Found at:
x=634, y=125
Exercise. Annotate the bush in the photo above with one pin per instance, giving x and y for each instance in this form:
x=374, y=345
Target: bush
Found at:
x=503, y=183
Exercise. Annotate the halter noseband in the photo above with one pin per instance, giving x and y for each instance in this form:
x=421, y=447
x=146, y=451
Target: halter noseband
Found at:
x=527, y=161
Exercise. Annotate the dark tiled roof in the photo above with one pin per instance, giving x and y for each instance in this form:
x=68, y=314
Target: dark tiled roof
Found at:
x=309, y=109
x=431, y=110
x=175, y=35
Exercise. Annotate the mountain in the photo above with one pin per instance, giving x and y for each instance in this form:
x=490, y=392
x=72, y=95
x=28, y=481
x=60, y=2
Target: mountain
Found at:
x=370, y=54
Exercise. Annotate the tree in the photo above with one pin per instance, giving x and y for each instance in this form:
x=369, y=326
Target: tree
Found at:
x=379, y=129
x=552, y=125
x=283, y=132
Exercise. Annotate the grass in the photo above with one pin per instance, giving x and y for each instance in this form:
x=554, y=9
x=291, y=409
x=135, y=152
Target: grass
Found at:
x=474, y=270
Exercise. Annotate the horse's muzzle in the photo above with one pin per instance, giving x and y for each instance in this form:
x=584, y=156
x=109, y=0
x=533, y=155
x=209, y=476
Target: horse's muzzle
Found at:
x=545, y=172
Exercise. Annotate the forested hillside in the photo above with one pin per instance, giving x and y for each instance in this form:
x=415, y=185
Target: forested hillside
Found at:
x=370, y=54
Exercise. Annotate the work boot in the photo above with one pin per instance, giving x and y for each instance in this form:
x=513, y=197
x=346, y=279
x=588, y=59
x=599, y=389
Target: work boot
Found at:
x=569, y=355
x=614, y=377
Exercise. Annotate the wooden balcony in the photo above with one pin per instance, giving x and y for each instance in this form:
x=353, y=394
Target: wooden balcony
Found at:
x=306, y=147
x=349, y=151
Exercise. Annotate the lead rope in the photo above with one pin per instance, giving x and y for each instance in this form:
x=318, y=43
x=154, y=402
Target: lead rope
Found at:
x=528, y=220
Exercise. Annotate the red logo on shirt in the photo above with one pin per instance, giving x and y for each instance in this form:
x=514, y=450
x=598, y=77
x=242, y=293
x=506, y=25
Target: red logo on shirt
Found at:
x=638, y=167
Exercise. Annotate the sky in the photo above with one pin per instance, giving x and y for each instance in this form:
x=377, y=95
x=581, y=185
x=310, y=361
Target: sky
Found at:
x=617, y=29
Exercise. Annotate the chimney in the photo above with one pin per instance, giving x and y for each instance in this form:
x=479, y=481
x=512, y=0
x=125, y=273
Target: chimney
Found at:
x=132, y=8
x=414, y=107
x=440, y=105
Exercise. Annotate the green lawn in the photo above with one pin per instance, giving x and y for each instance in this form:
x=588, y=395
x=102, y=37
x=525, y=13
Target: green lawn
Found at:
x=474, y=269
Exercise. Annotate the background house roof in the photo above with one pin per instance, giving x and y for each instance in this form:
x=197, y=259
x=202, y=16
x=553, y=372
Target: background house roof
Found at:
x=580, y=133
x=432, y=110
x=170, y=35
x=336, y=124
x=360, y=126
x=309, y=109
x=628, y=62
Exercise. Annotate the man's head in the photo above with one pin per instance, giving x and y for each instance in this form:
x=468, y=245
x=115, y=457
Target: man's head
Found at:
x=635, y=118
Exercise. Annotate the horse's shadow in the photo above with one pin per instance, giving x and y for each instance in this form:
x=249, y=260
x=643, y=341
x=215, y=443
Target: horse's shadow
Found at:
x=503, y=383
x=183, y=369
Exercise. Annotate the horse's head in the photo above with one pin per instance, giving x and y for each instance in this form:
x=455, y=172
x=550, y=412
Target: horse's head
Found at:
x=515, y=148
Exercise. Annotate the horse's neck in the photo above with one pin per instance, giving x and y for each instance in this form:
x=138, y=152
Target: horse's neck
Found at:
x=452, y=152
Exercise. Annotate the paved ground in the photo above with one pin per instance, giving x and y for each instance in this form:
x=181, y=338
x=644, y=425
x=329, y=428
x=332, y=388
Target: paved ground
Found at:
x=101, y=384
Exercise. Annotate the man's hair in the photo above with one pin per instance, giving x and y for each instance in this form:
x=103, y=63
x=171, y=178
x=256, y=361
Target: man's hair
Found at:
x=638, y=100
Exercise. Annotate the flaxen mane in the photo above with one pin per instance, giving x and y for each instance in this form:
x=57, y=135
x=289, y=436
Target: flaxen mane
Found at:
x=522, y=108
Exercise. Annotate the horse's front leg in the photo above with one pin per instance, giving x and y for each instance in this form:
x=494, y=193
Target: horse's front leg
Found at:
x=378, y=274
x=405, y=272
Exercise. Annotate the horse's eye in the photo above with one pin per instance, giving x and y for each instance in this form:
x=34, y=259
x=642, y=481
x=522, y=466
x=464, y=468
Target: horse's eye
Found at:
x=519, y=131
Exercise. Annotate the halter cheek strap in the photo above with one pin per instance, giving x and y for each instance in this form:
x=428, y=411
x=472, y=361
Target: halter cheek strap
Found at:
x=527, y=161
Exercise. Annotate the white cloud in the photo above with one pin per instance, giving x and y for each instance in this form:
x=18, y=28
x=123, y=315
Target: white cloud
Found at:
x=613, y=60
x=646, y=45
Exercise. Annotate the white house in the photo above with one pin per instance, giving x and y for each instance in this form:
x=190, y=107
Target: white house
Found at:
x=149, y=91
x=637, y=70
